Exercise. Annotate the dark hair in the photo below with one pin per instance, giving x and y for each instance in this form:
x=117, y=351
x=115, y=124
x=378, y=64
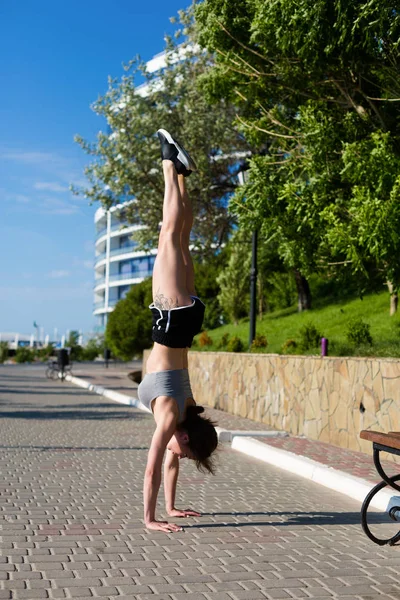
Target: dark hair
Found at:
x=203, y=438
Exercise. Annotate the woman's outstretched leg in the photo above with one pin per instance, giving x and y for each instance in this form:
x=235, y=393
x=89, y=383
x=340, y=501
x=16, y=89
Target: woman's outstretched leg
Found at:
x=185, y=236
x=169, y=273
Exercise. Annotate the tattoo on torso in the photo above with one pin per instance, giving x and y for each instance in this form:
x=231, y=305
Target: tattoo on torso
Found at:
x=164, y=303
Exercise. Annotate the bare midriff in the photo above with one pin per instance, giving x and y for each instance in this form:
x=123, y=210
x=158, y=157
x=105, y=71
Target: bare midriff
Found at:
x=163, y=358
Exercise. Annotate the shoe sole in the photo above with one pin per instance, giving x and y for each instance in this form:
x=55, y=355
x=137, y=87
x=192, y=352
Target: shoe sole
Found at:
x=183, y=156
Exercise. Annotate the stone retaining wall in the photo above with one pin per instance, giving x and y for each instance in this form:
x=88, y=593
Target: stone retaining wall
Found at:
x=327, y=399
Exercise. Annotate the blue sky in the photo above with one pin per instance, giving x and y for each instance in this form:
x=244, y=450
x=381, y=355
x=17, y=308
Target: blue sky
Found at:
x=56, y=58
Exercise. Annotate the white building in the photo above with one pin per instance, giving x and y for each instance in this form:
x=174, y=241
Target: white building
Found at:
x=118, y=264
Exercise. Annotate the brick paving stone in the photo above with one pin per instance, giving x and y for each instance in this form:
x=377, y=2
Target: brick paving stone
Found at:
x=104, y=591
x=72, y=468
x=78, y=592
x=248, y=595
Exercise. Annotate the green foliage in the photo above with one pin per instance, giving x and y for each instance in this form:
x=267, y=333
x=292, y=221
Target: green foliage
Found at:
x=315, y=85
x=260, y=341
x=289, y=347
x=310, y=337
x=331, y=318
x=126, y=159
x=234, y=280
x=43, y=354
x=23, y=355
x=281, y=290
x=93, y=349
x=207, y=270
x=75, y=348
x=128, y=330
x=204, y=339
x=3, y=351
x=235, y=344
x=223, y=341
x=358, y=332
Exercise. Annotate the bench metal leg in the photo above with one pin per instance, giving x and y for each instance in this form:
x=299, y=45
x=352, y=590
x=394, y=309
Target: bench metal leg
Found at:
x=377, y=462
x=392, y=513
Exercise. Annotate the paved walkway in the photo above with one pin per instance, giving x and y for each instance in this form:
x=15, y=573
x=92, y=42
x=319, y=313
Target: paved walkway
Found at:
x=72, y=468
x=354, y=463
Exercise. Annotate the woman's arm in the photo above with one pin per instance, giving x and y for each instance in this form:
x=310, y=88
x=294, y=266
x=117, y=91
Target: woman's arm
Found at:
x=152, y=479
x=171, y=472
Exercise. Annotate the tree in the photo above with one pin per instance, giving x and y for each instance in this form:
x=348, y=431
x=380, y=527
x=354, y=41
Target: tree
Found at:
x=128, y=330
x=207, y=271
x=93, y=348
x=73, y=343
x=234, y=279
x=125, y=159
x=318, y=82
x=3, y=351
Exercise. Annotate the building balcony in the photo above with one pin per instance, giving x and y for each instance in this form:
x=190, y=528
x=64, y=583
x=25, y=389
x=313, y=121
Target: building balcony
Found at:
x=133, y=276
x=99, y=281
x=101, y=232
x=122, y=277
x=116, y=252
x=120, y=227
x=99, y=307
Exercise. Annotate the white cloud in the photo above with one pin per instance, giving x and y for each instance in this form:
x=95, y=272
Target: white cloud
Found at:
x=59, y=274
x=66, y=169
x=50, y=186
x=54, y=206
x=31, y=158
x=20, y=198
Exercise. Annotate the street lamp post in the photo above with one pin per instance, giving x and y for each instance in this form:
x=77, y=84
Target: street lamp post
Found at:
x=242, y=176
x=253, y=287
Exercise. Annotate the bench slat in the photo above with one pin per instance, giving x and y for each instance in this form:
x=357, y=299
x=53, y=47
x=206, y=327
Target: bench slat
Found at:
x=391, y=439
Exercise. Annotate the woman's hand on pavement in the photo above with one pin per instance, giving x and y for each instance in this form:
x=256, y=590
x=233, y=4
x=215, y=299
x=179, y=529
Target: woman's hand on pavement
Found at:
x=163, y=526
x=188, y=512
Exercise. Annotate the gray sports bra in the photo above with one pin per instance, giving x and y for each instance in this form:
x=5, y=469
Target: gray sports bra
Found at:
x=174, y=383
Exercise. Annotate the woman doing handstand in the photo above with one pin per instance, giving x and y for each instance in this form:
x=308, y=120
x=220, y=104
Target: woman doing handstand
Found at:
x=177, y=317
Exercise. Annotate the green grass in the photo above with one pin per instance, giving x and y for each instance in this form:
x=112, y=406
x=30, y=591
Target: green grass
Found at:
x=330, y=320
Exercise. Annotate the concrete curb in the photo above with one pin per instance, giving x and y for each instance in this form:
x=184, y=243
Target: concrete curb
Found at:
x=227, y=435
x=243, y=441
x=342, y=482
x=111, y=394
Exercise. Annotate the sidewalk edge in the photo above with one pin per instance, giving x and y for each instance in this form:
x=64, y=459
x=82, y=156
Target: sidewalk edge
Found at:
x=336, y=480
x=107, y=393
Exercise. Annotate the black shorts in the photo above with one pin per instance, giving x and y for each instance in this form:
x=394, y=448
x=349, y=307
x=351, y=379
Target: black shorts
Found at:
x=177, y=327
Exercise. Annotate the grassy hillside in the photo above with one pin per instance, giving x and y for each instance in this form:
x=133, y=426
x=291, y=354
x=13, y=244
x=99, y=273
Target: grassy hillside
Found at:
x=331, y=321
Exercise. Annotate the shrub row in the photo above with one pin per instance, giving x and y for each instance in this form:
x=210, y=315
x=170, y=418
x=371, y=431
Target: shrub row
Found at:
x=357, y=334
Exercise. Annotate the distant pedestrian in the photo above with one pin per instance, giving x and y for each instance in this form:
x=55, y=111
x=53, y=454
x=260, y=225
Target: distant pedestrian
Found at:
x=177, y=317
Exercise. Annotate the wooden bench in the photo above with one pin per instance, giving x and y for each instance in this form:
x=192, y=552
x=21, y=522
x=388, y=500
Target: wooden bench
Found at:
x=382, y=442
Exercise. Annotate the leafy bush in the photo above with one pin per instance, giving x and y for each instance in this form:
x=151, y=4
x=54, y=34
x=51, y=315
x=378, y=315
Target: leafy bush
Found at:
x=235, y=344
x=93, y=349
x=24, y=355
x=310, y=337
x=223, y=341
x=358, y=332
x=289, y=347
x=44, y=353
x=3, y=351
x=260, y=341
x=204, y=339
x=128, y=330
